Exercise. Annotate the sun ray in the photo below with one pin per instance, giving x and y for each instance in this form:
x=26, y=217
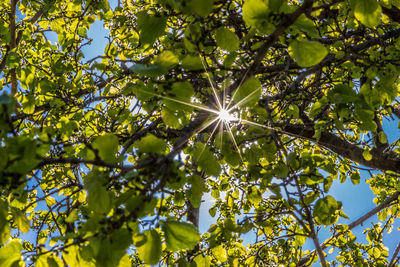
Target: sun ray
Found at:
x=219, y=106
x=182, y=102
x=204, y=126
x=209, y=139
x=243, y=100
x=233, y=140
x=270, y=128
x=221, y=129
x=240, y=84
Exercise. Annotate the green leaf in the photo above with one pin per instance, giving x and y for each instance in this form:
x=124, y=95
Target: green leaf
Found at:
x=367, y=155
x=325, y=210
x=107, y=146
x=307, y=25
x=180, y=96
x=13, y=59
x=10, y=254
x=166, y=60
x=48, y=260
x=153, y=70
x=201, y=8
x=151, y=144
x=307, y=53
x=248, y=94
x=21, y=221
x=202, y=261
x=226, y=39
x=71, y=256
x=369, y=12
x=196, y=190
x=4, y=226
x=255, y=14
x=111, y=249
x=220, y=253
x=206, y=160
x=281, y=170
x=382, y=138
x=180, y=235
x=192, y=63
x=98, y=199
x=170, y=118
x=150, y=27
x=317, y=107
x=254, y=196
x=72, y=217
x=355, y=177
x=342, y=93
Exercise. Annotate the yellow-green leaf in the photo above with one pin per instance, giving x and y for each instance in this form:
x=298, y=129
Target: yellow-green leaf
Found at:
x=248, y=93
x=72, y=217
x=149, y=250
x=226, y=39
x=307, y=53
x=107, y=146
x=369, y=12
x=219, y=253
x=151, y=144
x=10, y=253
x=180, y=235
x=21, y=221
x=367, y=155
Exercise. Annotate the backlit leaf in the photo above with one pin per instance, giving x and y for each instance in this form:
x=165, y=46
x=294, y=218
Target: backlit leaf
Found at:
x=107, y=146
x=220, y=253
x=369, y=12
x=10, y=254
x=180, y=235
x=151, y=27
x=248, y=94
x=226, y=39
x=307, y=53
x=151, y=144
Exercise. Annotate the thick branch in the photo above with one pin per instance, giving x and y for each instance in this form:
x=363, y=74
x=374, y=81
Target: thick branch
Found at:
x=393, y=13
x=13, y=75
x=345, y=149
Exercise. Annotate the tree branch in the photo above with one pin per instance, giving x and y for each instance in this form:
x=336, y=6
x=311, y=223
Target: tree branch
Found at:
x=344, y=148
x=13, y=44
x=61, y=160
x=393, y=260
x=359, y=221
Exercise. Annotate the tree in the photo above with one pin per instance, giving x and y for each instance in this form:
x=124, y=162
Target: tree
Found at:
x=262, y=104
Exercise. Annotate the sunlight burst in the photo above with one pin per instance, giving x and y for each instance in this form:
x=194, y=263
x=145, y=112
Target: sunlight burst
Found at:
x=225, y=116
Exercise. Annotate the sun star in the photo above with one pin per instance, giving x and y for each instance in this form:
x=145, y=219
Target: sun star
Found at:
x=225, y=116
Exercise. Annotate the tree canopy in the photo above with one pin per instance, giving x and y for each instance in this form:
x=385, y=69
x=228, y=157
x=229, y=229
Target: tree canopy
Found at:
x=257, y=104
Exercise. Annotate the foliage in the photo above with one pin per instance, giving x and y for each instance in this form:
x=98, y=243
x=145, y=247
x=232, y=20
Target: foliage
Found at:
x=104, y=161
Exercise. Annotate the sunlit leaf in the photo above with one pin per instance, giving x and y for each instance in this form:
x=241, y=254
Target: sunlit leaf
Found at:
x=151, y=144
x=369, y=12
x=226, y=39
x=248, y=94
x=180, y=235
x=107, y=146
x=149, y=249
x=10, y=254
x=307, y=53
x=151, y=27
